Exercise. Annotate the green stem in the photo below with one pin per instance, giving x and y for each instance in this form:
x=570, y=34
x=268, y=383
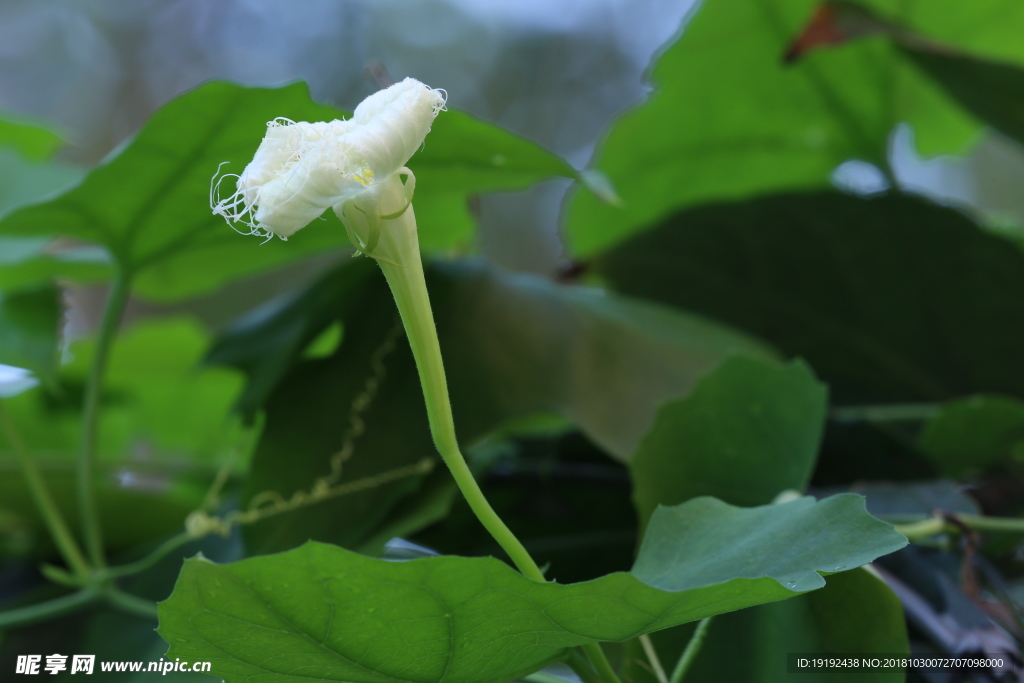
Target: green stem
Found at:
x=597, y=657
x=117, y=297
x=44, y=500
x=49, y=609
x=894, y=412
x=652, y=657
x=400, y=244
x=692, y=650
x=581, y=667
x=146, y=562
x=936, y=525
x=921, y=529
x=983, y=523
x=131, y=604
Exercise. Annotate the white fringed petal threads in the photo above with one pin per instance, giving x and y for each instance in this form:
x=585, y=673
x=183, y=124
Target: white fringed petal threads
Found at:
x=302, y=169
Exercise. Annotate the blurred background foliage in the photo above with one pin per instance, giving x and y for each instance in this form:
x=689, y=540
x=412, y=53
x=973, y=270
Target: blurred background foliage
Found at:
x=665, y=263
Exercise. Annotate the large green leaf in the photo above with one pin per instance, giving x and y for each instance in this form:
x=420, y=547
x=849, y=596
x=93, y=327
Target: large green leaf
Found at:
x=975, y=434
x=514, y=346
x=728, y=119
x=149, y=203
x=748, y=431
x=890, y=298
x=326, y=613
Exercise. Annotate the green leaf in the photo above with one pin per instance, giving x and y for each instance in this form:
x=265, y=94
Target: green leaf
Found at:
x=889, y=299
x=991, y=91
x=32, y=261
x=518, y=344
x=463, y=156
x=157, y=403
x=165, y=426
x=267, y=342
x=30, y=322
x=975, y=434
x=31, y=140
x=149, y=204
x=23, y=181
x=729, y=120
x=748, y=431
x=324, y=612
x=854, y=614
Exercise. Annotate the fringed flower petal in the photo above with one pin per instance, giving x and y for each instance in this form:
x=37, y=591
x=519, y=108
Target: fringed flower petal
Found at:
x=301, y=169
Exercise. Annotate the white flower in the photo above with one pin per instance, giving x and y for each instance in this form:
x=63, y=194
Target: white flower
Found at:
x=302, y=169
x=14, y=381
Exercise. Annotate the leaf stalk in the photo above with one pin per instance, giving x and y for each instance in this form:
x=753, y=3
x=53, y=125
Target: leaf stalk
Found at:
x=117, y=298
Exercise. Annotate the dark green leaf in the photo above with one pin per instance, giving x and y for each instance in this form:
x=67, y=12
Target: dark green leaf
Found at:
x=889, y=299
x=323, y=612
x=975, y=434
x=748, y=431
